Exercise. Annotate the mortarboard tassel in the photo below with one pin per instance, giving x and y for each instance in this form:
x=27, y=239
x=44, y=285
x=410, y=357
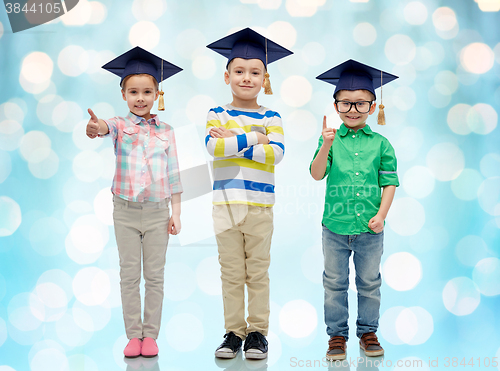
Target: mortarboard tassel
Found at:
x=267, y=85
x=161, y=102
x=267, y=82
x=381, y=114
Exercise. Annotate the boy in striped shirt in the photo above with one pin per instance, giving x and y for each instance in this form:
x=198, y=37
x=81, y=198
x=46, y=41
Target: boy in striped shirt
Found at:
x=246, y=141
x=146, y=179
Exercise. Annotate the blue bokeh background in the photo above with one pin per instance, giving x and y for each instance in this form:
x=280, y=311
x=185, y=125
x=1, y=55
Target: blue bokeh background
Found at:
x=59, y=287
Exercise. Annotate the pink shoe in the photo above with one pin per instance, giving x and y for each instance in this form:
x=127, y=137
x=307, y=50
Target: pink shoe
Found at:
x=133, y=348
x=149, y=348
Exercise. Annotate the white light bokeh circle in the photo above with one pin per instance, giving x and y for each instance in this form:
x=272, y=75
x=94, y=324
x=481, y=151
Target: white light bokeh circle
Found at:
x=415, y=13
x=364, y=34
x=11, y=134
x=407, y=74
x=407, y=216
x=91, y=318
x=301, y=125
x=486, y=276
x=490, y=165
x=269, y=4
x=489, y=196
x=471, y=249
x=404, y=98
x=6, y=167
x=208, y=276
x=73, y=60
x=46, y=106
x=10, y=216
x=197, y=108
x=466, y=185
x=203, y=67
x=402, y=271
x=60, y=278
x=299, y=8
x=49, y=360
x=180, y=281
x=312, y=264
x=461, y=296
x=482, y=118
x=313, y=53
x=444, y=19
x=414, y=325
x=54, y=300
x=69, y=333
x=12, y=111
x=477, y=58
x=37, y=68
x=446, y=82
x=86, y=239
x=179, y=332
x=144, y=34
x=103, y=206
x=46, y=168
x=148, y=10
x=35, y=146
x=400, y=49
x=457, y=119
x=296, y=91
x=87, y=166
x=79, y=15
x=91, y=286
x=66, y=115
x=282, y=33
x=446, y=161
x=298, y=318
x=418, y=182
x=423, y=58
x=24, y=311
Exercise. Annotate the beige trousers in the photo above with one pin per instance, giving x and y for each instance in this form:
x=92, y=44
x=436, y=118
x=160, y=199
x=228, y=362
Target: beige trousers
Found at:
x=244, y=235
x=142, y=237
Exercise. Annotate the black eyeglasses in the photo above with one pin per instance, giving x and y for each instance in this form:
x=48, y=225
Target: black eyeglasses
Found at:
x=361, y=106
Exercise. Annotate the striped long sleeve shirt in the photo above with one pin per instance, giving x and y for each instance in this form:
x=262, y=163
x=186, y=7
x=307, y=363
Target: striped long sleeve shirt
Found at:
x=244, y=169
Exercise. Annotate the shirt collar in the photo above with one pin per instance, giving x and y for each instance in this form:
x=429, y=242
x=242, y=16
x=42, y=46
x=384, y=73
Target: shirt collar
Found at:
x=138, y=119
x=343, y=130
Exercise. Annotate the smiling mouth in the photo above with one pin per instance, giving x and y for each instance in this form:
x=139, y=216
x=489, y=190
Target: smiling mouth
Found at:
x=140, y=106
x=246, y=86
x=352, y=117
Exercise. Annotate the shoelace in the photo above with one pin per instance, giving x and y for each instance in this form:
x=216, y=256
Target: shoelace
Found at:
x=231, y=341
x=370, y=339
x=255, y=339
x=336, y=342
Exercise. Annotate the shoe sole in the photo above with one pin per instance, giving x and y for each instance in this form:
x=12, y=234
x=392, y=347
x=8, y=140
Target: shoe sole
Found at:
x=225, y=355
x=255, y=355
x=149, y=356
x=372, y=353
x=133, y=356
x=336, y=357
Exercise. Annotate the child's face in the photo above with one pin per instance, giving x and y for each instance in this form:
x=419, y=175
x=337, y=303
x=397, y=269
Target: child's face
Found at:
x=353, y=119
x=140, y=93
x=246, y=78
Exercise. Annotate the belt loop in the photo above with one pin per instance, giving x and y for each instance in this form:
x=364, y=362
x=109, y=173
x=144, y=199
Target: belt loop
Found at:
x=126, y=204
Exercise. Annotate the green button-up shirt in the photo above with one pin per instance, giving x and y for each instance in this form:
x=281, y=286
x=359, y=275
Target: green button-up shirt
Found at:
x=359, y=164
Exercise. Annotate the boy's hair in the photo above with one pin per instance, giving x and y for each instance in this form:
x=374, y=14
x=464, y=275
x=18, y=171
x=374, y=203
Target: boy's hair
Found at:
x=124, y=82
x=228, y=68
x=373, y=96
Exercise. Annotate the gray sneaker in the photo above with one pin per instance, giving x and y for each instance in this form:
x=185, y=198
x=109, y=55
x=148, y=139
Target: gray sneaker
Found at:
x=336, y=348
x=369, y=343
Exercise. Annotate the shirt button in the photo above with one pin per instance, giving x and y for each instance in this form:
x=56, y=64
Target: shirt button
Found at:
x=357, y=173
x=357, y=194
x=354, y=136
x=356, y=154
x=359, y=214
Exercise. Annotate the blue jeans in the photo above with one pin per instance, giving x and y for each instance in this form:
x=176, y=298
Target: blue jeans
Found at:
x=367, y=250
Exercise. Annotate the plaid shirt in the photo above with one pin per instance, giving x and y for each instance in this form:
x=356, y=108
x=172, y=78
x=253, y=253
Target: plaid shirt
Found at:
x=146, y=159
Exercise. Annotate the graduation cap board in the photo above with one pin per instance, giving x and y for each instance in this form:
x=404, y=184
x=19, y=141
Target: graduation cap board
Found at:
x=248, y=44
x=139, y=61
x=353, y=75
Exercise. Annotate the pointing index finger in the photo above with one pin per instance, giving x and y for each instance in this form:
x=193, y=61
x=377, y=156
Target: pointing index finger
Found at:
x=324, y=122
x=93, y=116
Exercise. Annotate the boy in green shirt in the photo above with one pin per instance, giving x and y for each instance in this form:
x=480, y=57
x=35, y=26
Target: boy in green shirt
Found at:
x=358, y=163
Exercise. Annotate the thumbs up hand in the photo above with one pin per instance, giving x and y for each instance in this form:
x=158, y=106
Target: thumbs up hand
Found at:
x=328, y=134
x=93, y=125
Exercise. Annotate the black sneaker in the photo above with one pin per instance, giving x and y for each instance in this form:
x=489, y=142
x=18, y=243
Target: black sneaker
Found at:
x=255, y=346
x=229, y=347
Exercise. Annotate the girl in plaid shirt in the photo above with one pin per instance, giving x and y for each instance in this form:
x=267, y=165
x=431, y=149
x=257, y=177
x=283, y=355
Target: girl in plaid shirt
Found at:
x=146, y=179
